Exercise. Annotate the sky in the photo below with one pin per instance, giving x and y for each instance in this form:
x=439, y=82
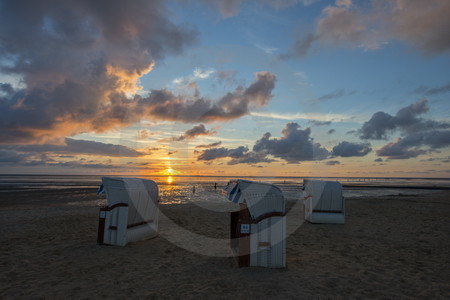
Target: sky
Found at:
x=225, y=88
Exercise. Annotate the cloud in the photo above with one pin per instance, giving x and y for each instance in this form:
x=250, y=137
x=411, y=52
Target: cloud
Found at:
x=406, y=120
x=331, y=131
x=239, y=155
x=38, y=119
x=332, y=163
x=378, y=160
x=347, y=149
x=197, y=74
x=294, y=146
x=409, y=146
x=422, y=24
x=78, y=61
x=212, y=145
x=144, y=134
x=202, y=74
x=430, y=91
x=215, y=153
x=308, y=116
x=11, y=156
x=227, y=77
x=319, y=123
x=417, y=132
x=334, y=95
x=164, y=105
x=396, y=150
x=250, y=157
x=194, y=132
x=230, y=8
x=78, y=147
x=77, y=164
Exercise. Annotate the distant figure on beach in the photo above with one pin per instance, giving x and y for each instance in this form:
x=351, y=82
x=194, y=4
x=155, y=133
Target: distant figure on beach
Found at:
x=215, y=185
x=193, y=189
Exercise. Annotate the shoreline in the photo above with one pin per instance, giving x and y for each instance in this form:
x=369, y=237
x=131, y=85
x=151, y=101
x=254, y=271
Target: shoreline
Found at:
x=390, y=247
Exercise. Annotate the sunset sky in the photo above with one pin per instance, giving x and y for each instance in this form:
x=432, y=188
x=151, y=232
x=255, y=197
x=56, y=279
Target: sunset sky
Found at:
x=232, y=88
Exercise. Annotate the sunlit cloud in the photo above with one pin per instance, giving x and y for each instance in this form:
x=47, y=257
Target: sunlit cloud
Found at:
x=421, y=24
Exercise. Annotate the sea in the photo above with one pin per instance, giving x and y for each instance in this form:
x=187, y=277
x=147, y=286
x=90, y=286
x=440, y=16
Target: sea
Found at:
x=182, y=189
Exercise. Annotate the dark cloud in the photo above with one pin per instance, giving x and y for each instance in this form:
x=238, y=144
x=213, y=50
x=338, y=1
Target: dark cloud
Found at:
x=239, y=155
x=409, y=146
x=215, y=153
x=11, y=156
x=419, y=135
x=194, y=132
x=332, y=163
x=430, y=91
x=319, y=123
x=250, y=157
x=77, y=164
x=79, y=147
x=14, y=158
x=294, y=146
x=347, y=149
x=331, y=131
x=378, y=160
x=396, y=150
x=6, y=88
x=407, y=120
x=77, y=61
x=164, y=105
x=212, y=145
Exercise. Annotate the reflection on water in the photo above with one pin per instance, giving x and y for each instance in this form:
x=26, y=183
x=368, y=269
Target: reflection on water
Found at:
x=174, y=194
x=169, y=180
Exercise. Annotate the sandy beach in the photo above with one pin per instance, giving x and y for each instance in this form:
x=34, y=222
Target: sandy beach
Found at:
x=395, y=247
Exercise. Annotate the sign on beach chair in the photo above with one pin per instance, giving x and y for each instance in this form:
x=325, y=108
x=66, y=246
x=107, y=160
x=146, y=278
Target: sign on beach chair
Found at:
x=132, y=211
x=258, y=229
x=323, y=201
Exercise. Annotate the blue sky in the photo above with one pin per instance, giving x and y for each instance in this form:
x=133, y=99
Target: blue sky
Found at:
x=194, y=86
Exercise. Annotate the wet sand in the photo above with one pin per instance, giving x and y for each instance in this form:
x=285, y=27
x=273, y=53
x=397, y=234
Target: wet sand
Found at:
x=390, y=247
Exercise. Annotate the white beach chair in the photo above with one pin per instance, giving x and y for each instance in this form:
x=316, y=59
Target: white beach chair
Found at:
x=132, y=211
x=258, y=230
x=323, y=201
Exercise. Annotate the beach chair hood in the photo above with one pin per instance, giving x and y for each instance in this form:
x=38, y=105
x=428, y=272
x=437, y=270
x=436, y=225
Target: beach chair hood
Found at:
x=260, y=198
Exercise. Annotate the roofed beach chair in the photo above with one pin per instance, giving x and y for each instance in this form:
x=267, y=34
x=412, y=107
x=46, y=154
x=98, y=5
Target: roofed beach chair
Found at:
x=323, y=201
x=131, y=213
x=258, y=229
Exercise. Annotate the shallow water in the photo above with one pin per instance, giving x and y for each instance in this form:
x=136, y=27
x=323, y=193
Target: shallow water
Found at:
x=180, y=190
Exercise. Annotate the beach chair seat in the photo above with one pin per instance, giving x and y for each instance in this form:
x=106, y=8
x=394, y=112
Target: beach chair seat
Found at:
x=131, y=213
